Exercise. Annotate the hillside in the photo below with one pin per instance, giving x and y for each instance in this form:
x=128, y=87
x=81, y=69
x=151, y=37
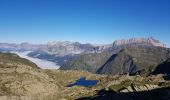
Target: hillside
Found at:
x=135, y=59
x=89, y=62
x=131, y=59
x=22, y=79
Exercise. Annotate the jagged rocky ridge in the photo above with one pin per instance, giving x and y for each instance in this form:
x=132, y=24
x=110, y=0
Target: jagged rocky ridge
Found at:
x=139, y=41
x=76, y=47
x=65, y=48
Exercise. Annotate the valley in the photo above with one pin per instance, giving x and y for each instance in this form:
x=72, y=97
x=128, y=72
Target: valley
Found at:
x=84, y=50
x=127, y=69
x=39, y=62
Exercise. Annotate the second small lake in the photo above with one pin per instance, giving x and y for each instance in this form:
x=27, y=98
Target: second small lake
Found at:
x=83, y=82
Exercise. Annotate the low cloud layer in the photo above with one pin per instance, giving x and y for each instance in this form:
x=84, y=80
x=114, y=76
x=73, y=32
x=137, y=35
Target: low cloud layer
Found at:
x=40, y=62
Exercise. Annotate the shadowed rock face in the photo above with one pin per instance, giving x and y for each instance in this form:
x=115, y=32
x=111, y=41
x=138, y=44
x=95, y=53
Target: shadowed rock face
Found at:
x=118, y=66
x=155, y=94
x=90, y=62
x=163, y=68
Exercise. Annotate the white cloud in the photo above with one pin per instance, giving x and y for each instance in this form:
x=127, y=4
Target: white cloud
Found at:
x=40, y=62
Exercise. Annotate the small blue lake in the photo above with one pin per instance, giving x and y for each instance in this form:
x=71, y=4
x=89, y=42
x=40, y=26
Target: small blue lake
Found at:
x=83, y=82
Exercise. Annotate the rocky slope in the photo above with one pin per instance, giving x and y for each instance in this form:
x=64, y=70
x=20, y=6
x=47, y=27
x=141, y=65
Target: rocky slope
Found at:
x=21, y=79
x=133, y=88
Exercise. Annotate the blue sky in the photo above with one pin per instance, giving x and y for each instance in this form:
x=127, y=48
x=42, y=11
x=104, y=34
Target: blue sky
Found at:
x=93, y=21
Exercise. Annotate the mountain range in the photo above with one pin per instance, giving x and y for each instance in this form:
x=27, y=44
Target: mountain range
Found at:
x=121, y=56
x=66, y=47
x=134, y=69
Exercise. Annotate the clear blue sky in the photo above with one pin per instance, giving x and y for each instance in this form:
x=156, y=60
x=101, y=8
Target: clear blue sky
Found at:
x=94, y=21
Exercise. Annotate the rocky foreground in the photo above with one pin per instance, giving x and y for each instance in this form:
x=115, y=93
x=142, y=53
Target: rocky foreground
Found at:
x=21, y=79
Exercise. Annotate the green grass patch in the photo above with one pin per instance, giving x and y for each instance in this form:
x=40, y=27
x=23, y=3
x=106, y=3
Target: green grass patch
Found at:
x=123, y=84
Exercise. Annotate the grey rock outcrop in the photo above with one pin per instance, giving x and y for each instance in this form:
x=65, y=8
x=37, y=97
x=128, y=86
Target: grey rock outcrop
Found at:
x=139, y=41
x=135, y=88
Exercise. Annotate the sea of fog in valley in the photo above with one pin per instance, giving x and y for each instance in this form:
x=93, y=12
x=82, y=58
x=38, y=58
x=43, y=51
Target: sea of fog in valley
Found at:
x=40, y=62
